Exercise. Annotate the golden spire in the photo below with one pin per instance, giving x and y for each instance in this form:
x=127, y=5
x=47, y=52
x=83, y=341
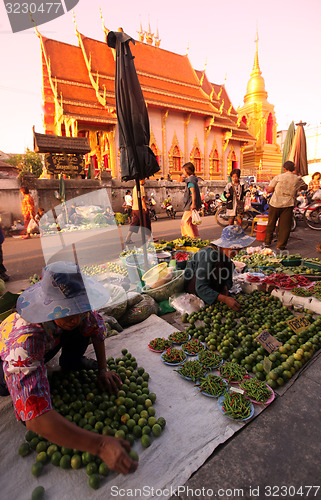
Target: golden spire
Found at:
x=141, y=32
x=149, y=35
x=106, y=30
x=255, y=91
x=157, y=40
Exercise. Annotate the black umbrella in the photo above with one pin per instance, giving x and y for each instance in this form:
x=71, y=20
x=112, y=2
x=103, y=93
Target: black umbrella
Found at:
x=137, y=160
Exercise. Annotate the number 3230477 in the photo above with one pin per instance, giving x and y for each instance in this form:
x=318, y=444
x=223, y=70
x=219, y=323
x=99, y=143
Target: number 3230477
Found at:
x=32, y=8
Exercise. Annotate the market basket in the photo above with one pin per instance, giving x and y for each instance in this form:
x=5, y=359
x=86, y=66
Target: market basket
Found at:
x=163, y=292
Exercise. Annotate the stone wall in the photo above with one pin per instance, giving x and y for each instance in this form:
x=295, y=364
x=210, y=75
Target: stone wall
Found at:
x=45, y=191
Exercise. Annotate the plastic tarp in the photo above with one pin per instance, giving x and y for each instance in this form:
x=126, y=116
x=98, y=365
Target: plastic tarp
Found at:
x=195, y=427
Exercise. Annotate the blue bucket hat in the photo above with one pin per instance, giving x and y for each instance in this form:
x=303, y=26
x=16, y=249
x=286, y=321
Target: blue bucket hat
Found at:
x=233, y=237
x=62, y=291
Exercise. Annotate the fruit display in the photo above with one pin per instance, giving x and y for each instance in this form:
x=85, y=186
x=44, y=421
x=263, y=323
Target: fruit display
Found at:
x=265, y=261
x=233, y=336
x=128, y=414
x=34, y=279
x=97, y=269
x=192, y=370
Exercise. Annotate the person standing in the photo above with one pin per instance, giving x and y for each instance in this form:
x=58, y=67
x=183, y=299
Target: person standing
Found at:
x=128, y=204
x=234, y=192
x=192, y=201
x=27, y=208
x=3, y=272
x=136, y=222
x=284, y=188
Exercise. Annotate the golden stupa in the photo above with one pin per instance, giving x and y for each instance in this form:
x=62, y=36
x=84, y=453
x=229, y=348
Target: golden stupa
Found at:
x=263, y=158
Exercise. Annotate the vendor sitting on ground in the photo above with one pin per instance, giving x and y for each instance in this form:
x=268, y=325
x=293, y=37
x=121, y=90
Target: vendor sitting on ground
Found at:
x=57, y=313
x=209, y=274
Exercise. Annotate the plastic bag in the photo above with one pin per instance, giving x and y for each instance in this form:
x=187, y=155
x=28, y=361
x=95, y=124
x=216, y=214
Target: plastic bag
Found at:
x=186, y=303
x=32, y=227
x=196, y=218
x=139, y=312
x=247, y=203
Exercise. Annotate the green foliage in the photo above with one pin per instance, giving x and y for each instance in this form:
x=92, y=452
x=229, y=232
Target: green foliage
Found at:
x=119, y=218
x=28, y=162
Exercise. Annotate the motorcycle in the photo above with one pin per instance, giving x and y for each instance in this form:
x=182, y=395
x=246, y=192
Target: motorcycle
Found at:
x=150, y=207
x=209, y=205
x=167, y=205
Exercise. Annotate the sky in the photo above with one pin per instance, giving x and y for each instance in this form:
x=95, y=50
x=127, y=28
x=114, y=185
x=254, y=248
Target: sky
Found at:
x=217, y=32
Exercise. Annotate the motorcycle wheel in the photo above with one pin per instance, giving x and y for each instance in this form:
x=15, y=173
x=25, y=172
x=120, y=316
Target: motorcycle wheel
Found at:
x=168, y=213
x=173, y=213
x=312, y=216
x=246, y=220
x=221, y=217
x=293, y=225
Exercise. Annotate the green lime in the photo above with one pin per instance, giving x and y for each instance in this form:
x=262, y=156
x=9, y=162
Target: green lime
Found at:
x=151, y=421
x=120, y=434
x=146, y=429
x=161, y=421
x=133, y=455
x=33, y=443
x=91, y=468
x=87, y=457
x=152, y=396
x=38, y=493
x=51, y=450
x=137, y=431
x=156, y=430
x=94, y=481
x=42, y=457
x=55, y=458
x=103, y=469
x=145, y=440
x=151, y=411
x=30, y=435
x=65, y=462
x=41, y=446
x=76, y=462
x=36, y=469
x=124, y=351
x=24, y=449
x=66, y=451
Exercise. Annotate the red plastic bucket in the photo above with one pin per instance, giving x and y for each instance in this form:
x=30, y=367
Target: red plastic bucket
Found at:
x=261, y=230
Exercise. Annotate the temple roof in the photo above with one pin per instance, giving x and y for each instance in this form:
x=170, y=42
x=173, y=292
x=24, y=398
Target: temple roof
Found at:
x=44, y=143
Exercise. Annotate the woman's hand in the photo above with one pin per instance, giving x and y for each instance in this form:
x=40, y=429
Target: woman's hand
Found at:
x=114, y=452
x=109, y=381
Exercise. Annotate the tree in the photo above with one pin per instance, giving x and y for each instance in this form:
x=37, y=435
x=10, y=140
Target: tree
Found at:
x=29, y=162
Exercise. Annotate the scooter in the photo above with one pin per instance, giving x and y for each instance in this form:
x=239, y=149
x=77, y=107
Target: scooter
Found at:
x=167, y=205
x=150, y=207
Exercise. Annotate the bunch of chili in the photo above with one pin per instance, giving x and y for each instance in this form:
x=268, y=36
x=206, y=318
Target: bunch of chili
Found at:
x=178, y=337
x=159, y=344
x=213, y=385
x=174, y=356
x=285, y=281
x=192, y=369
x=256, y=389
x=236, y=406
x=193, y=347
x=181, y=256
x=210, y=359
x=302, y=292
x=232, y=371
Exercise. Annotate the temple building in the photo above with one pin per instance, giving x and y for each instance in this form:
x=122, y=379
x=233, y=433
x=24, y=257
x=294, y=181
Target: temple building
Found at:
x=263, y=157
x=191, y=119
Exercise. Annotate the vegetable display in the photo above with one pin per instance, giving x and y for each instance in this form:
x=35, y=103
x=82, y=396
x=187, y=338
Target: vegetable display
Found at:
x=209, y=359
x=192, y=347
x=232, y=372
x=173, y=356
x=192, y=370
x=212, y=385
x=236, y=406
x=283, y=280
x=159, y=344
x=178, y=337
x=256, y=390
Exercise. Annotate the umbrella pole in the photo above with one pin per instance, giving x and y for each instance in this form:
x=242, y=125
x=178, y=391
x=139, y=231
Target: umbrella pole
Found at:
x=141, y=216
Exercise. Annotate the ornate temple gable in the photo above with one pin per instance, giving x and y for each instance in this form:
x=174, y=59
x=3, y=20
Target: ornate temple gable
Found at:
x=175, y=156
x=153, y=144
x=215, y=163
x=196, y=156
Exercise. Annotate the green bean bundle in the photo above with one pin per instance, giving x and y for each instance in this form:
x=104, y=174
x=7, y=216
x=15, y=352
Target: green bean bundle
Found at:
x=256, y=389
x=232, y=371
x=210, y=359
x=236, y=406
x=192, y=369
x=213, y=385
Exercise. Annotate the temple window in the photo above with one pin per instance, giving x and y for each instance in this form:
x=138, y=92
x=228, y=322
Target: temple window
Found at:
x=244, y=120
x=269, y=130
x=215, y=171
x=176, y=159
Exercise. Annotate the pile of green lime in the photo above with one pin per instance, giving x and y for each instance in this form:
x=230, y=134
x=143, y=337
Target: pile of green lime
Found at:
x=128, y=414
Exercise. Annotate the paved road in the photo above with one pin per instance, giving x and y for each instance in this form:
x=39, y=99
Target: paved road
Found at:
x=23, y=258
